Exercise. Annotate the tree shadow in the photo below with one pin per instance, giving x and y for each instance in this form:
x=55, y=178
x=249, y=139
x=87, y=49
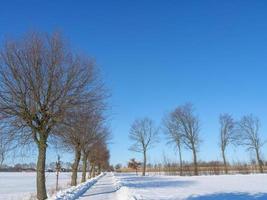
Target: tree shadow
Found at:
x=100, y=193
x=230, y=196
x=153, y=182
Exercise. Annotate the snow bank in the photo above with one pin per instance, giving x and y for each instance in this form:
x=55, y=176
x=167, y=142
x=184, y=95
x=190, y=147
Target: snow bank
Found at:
x=123, y=192
x=75, y=191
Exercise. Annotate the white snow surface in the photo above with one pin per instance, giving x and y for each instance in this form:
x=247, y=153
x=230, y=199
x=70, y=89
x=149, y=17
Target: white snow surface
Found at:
x=21, y=185
x=223, y=187
x=103, y=187
x=76, y=191
x=127, y=186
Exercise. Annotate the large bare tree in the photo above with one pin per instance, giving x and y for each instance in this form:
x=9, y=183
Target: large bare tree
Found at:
x=249, y=136
x=227, y=135
x=187, y=124
x=144, y=134
x=174, y=135
x=40, y=80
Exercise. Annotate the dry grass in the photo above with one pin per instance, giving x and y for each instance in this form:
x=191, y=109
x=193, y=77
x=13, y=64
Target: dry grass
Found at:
x=215, y=169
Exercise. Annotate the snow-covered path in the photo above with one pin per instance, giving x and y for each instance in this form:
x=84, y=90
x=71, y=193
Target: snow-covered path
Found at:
x=104, y=189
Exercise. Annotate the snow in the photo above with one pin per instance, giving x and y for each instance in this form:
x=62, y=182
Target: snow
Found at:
x=224, y=187
x=21, y=185
x=76, y=191
x=104, y=189
x=127, y=186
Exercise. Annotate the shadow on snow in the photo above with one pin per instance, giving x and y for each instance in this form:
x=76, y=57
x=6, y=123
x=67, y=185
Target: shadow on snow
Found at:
x=153, y=182
x=230, y=196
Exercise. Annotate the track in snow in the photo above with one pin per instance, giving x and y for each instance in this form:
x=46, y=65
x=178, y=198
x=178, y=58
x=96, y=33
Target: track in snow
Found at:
x=104, y=189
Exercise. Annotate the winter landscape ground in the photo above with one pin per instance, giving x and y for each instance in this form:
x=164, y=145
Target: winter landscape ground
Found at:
x=127, y=186
x=21, y=185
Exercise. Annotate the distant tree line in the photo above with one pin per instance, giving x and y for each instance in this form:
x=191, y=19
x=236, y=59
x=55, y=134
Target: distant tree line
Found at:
x=50, y=167
x=50, y=95
x=182, y=129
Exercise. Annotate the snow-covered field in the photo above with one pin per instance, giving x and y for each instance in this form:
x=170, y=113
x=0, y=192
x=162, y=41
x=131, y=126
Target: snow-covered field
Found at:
x=224, y=187
x=21, y=185
x=132, y=187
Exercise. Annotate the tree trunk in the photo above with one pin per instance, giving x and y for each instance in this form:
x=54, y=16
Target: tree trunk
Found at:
x=93, y=171
x=144, y=165
x=89, y=170
x=180, y=159
x=84, y=168
x=57, y=181
x=195, y=162
x=75, y=166
x=259, y=161
x=99, y=169
x=40, y=179
x=224, y=162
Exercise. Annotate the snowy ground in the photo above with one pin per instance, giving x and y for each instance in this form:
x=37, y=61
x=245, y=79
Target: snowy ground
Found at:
x=132, y=187
x=105, y=188
x=224, y=187
x=21, y=185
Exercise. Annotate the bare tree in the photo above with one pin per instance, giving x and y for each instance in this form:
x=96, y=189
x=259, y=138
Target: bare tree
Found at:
x=134, y=164
x=98, y=157
x=249, y=136
x=187, y=124
x=72, y=138
x=95, y=133
x=144, y=134
x=103, y=156
x=227, y=135
x=41, y=80
x=174, y=134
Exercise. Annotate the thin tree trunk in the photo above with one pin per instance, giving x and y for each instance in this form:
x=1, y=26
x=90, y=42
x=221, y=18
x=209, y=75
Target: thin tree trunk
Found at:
x=99, y=169
x=93, y=172
x=89, y=170
x=180, y=159
x=57, y=181
x=144, y=165
x=224, y=162
x=259, y=161
x=2, y=158
x=40, y=179
x=75, y=166
x=84, y=168
x=195, y=162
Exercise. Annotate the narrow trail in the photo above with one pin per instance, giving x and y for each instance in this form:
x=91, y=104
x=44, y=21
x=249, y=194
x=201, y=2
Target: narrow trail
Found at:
x=104, y=189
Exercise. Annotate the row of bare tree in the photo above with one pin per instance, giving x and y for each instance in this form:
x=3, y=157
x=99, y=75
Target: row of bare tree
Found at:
x=52, y=95
x=182, y=128
x=84, y=134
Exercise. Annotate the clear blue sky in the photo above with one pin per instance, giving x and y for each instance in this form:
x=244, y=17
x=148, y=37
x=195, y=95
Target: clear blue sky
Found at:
x=156, y=55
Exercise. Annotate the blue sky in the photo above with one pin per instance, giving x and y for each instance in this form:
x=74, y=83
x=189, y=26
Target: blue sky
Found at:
x=156, y=55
